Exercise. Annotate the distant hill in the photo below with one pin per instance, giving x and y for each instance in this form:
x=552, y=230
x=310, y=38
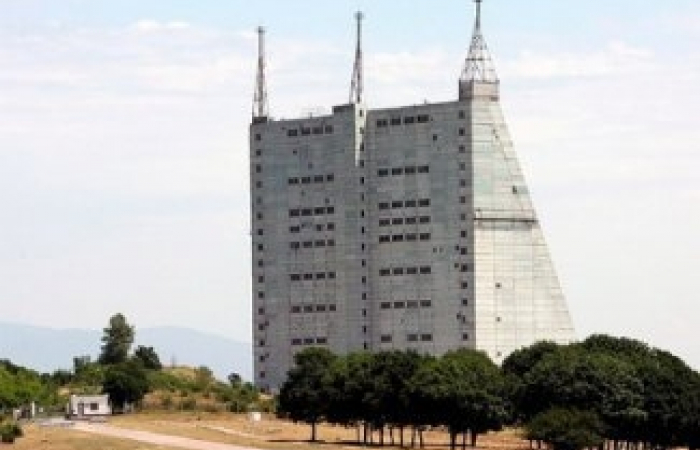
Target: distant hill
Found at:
x=47, y=349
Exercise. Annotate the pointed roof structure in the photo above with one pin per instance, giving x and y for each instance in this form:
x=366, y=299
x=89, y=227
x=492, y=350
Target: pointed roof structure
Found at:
x=478, y=66
x=260, y=105
x=357, y=84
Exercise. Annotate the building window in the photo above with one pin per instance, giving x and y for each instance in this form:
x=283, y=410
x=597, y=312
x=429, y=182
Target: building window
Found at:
x=258, y=137
x=412, y=338
x=385, y=305
x=399, y=305
x=465, y=285
x=465, y=336
x=410, y=204
x=384, y=272
x=397, y=204
x=383, y=205
x=425, y=270
x=424, y=202
x=461, y=131
x=386, y=338
x=397, y=171
x=424, y=169
x=426, y=304
x=426, y=337
x=465, y=302
x=460, y=114
x=384, y=239
x=412, y=270
x=425, y=236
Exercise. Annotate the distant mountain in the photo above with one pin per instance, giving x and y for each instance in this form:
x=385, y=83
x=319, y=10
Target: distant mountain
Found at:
x=47, y=349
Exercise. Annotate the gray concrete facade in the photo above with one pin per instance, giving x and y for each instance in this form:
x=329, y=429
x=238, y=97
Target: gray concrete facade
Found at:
x=399, y=228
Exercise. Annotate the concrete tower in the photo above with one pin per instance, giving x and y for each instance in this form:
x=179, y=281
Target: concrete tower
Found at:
x=398, y=228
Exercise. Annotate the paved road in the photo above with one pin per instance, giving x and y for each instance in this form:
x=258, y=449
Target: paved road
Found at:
x=155, y=438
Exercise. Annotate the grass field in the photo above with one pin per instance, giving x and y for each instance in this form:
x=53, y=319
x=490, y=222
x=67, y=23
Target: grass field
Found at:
x=270, y=433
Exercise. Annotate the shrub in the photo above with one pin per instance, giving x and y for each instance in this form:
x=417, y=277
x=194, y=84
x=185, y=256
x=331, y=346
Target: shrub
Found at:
x=9, y=431
x=566, y=429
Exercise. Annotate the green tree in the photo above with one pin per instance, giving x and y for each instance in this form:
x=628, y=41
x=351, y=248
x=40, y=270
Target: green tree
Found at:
x=464, y=390
x=305, y=395
x=148, y=357
x=126, y=383
x=116, y=341
x=566, y=429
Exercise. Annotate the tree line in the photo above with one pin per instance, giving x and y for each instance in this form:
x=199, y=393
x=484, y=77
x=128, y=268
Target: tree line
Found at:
x=605, y=392
x=127, y=375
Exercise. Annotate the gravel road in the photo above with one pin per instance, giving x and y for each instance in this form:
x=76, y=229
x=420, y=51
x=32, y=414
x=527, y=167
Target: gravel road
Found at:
x=154, y=438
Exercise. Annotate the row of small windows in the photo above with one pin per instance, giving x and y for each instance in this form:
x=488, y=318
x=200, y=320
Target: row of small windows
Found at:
x=411, y=337
x=312, y=179
x=400, y=221
x=411, y=304
x=408, y=170
x=307, y=131
x=298, y=309
x=409, y=237
x=312, y=276
x=330, y=226
x=416, y=337
x=397, y=204
x=399, y=271
x=312, y=244
x=310, y=341
x=407, y=120
x=307, y=212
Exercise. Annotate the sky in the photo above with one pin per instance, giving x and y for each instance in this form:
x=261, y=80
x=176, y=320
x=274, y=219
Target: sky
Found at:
x=124, y=146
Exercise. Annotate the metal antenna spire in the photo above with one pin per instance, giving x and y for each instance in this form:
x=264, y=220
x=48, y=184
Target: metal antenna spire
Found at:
x=260, y=106
x=479, y=65
x=356, y=86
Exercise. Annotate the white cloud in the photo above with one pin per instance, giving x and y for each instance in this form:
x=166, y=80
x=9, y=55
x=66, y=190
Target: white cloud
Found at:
x=153, y=26
x=618, y=57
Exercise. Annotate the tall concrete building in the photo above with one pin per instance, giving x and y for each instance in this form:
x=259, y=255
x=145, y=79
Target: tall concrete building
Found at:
x=400, y=228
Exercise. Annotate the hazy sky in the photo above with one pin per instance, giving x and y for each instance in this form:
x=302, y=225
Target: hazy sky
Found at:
x=124, y=156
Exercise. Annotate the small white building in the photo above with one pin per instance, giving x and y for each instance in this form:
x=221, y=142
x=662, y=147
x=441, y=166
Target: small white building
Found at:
x=87, y=406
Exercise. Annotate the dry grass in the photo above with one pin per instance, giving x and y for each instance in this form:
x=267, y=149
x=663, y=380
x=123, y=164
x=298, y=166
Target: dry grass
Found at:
x=46, y=438
x=270, y=433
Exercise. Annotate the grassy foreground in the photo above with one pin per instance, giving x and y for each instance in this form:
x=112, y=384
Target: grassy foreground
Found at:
x=270, y=433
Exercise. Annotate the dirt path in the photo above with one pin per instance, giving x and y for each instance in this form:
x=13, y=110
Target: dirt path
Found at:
x=155, y=438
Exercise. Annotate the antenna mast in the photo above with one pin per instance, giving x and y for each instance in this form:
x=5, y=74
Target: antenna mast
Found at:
x=260, y=106
x=479, y=65
x=356, y=87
